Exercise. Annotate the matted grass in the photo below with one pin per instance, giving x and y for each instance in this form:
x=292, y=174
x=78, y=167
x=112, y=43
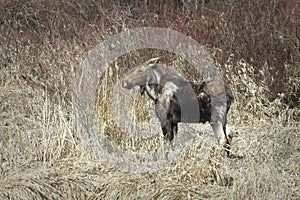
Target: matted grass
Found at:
x=41, y=154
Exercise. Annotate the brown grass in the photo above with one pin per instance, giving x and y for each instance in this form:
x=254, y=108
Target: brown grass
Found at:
x=255, y=45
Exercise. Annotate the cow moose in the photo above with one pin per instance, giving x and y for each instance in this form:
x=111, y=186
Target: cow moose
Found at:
x=163, y=86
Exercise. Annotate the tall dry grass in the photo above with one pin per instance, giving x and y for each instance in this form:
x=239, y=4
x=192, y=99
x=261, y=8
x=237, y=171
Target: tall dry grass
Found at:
x=255, y=45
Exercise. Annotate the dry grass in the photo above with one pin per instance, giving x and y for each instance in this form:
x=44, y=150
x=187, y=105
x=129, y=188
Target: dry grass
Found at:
x=41, y=154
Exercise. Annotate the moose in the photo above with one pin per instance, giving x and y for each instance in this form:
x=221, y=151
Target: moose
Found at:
x=165, y=88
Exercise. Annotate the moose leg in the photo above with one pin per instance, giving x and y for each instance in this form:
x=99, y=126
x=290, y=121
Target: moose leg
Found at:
x=164, y=119
x=167, y=129
x=169, y=135
x=227, y=137
x=174, y=128
x=175, y=120
x=218, y=121
x=219, y=132
x=166, y=132
x=170, y=128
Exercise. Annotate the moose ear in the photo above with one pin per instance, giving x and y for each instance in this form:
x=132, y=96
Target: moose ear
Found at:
x=153, y=62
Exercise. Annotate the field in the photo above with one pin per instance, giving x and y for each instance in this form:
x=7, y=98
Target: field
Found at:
x=44, y=155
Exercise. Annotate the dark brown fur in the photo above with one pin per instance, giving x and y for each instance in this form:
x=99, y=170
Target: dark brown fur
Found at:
x=168, y=108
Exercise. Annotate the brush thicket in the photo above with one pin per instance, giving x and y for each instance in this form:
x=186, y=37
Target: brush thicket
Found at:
x=42, y=156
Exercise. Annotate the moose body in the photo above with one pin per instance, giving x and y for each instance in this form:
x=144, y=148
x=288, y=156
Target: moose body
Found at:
x=171, y=93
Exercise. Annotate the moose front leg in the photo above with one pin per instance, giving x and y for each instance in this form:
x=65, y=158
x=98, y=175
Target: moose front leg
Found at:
x=171, y=128
x=168, y=130
x=165, y=121
x=174, y=127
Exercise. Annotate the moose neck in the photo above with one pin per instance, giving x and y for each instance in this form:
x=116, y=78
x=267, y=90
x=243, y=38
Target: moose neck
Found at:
x=157, y=74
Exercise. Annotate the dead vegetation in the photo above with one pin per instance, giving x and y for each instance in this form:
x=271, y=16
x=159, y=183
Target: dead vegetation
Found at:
x=256, y=46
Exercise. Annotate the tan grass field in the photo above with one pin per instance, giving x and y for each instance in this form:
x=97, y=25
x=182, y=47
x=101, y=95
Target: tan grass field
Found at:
x=42, y=156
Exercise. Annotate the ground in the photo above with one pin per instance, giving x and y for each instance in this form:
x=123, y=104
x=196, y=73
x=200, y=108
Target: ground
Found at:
x=43, y=154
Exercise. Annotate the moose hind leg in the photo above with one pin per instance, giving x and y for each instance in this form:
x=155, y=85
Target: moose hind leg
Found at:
x=218, y=123
x=174, y=128
x=219, y=132
x=228, y=138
